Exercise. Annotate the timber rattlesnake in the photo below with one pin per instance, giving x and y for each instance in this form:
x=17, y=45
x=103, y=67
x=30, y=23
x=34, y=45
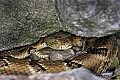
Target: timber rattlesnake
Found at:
x=99, y=54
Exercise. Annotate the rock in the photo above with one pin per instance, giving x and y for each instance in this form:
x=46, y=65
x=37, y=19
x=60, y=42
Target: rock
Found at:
x=61, y=55
x=57, y=54
x=76, y=74
x=24, y=22
x=90, y=18
x=117, y=73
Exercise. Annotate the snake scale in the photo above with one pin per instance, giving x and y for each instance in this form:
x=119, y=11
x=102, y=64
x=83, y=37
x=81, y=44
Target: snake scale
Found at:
x=98, y=55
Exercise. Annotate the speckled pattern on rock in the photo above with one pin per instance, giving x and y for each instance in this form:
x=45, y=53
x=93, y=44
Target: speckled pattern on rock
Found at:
x=24, y=22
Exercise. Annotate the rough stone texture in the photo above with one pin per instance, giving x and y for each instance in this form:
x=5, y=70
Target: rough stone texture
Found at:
x=25, y=21
x=76, y=74
x=90, y=18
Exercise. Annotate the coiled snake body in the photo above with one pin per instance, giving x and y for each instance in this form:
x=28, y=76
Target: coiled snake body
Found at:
x=97, y=56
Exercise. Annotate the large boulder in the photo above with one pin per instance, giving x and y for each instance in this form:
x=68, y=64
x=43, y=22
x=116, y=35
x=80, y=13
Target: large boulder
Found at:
x=23, y=22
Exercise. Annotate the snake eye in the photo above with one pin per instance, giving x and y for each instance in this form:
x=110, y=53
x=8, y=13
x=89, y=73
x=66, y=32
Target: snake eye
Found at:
x=44, y=45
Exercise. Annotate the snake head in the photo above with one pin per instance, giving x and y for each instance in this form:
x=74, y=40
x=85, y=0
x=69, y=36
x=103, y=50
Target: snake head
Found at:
x=39, y=44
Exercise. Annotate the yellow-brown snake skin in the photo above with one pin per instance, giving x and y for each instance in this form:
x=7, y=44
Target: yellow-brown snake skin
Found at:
x=98, y=56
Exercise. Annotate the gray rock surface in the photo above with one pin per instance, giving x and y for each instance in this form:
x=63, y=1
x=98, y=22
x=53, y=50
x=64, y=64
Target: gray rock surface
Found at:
x=25, y=21
x=90, y=18
x=76, y=74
